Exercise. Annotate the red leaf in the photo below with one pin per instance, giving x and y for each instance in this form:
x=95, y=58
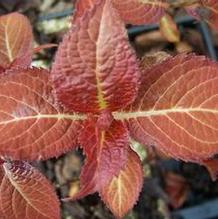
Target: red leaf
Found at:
x=177, y=189
x=95, y=68
x=122, y=192
x=32, y=125
x=211, y=14
x=26, y=193
x=106, y=154
x=207, y=10
x=15, y=39
x=140, y=12
x=131, y=11
x=81, y=7
x=212, y=167
x=177, y=109
x=22, y=61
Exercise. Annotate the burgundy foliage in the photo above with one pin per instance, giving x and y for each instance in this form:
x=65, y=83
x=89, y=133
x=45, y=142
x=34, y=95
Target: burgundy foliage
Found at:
x=98, y=96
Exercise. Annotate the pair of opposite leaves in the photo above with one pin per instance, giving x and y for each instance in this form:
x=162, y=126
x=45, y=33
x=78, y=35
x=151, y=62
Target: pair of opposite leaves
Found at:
x=106, y=99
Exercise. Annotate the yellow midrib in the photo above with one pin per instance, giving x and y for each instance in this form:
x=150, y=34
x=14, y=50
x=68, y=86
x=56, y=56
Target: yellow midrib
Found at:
x=100, y=145
x=73, y=117
x=100, y=96
x=117, y=115
x=137, y=114
x=119, y=191
x=9, y=51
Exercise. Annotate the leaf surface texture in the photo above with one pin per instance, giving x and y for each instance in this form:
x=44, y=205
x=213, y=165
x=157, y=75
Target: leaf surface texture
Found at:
x=16, y=40
x=95, y=68
x=25, y=193
x=32, y=125
x=177, y=109
x=106, y=154
x=122, y=192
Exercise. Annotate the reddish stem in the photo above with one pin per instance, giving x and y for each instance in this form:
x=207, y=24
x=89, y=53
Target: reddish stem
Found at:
x=104, y=120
